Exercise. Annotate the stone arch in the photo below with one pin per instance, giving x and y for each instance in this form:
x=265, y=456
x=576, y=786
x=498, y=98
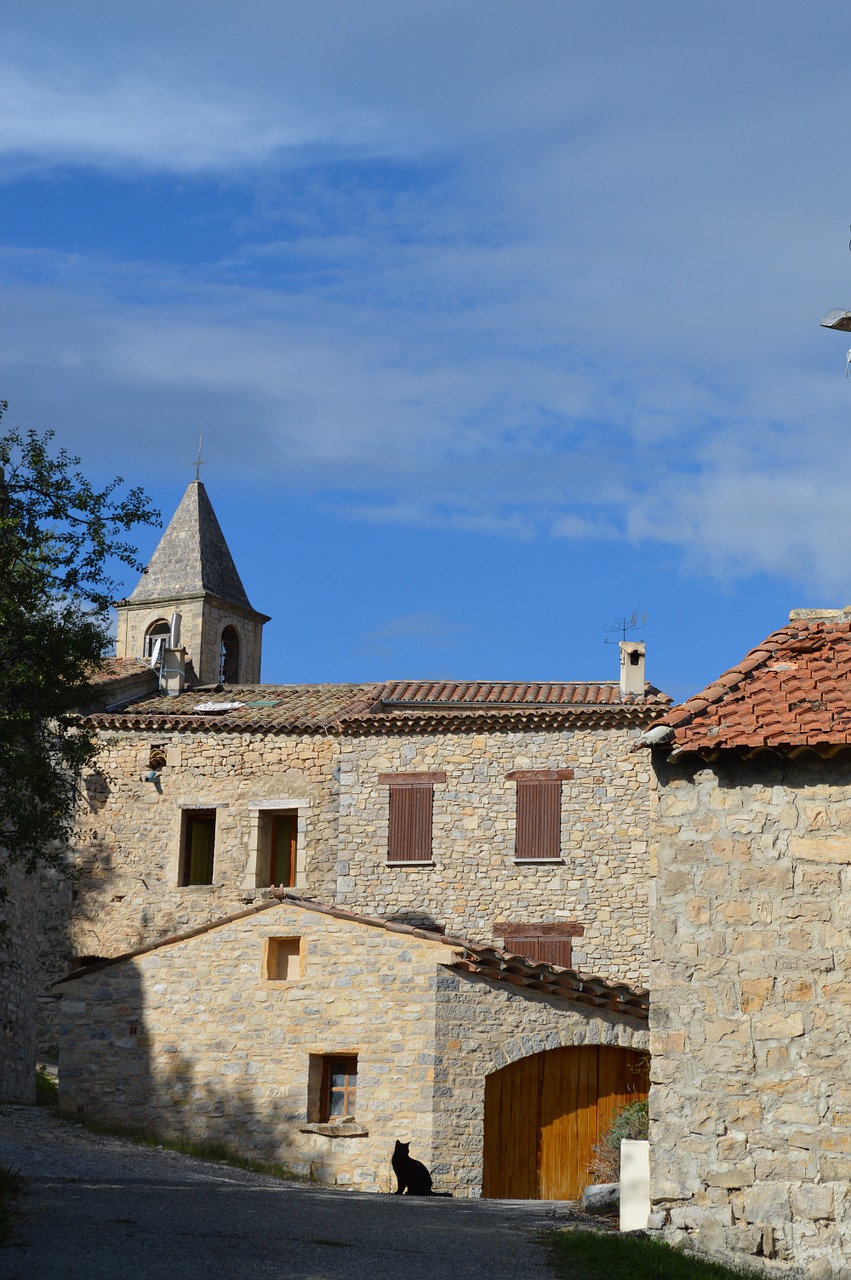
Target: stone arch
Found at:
x=229, y=655
x=568, y=1034
x=159, y=629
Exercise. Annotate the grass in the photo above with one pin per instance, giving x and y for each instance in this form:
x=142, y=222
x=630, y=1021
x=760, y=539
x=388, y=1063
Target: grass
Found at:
x=590, y=1255
x=46, y=1088
x=215, y=1152
x=11, y=1185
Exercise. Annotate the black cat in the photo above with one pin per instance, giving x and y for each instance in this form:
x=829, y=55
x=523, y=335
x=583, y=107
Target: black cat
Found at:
x=411, y=1175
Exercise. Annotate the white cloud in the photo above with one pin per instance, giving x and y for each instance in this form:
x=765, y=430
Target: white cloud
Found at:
x=149, y=120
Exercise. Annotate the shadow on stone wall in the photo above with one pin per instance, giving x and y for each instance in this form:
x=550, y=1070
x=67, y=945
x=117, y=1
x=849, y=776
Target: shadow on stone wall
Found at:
x=115, y=1071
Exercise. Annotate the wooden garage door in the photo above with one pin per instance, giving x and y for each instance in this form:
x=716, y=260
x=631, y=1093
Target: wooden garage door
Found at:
x=544, y=1113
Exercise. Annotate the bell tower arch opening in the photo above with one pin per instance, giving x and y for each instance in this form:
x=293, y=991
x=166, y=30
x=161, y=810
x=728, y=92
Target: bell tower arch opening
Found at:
x=229, y=656
x=160, y=629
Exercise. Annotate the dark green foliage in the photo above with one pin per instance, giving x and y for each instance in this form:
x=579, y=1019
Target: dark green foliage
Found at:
x=46, y=1089
x=57, y=536
x=607, y=1256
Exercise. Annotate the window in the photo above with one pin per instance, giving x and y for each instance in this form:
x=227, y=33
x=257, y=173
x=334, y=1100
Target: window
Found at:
x=283, y=959
x=229, y=656
x=156, y=638
x=339, y=1087
x=199, y=839
x=547, y=943
x=409, y=834
x=277, y=841
x=538, y=825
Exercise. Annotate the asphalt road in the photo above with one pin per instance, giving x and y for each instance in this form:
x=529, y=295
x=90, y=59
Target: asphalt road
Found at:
x=100, y=1208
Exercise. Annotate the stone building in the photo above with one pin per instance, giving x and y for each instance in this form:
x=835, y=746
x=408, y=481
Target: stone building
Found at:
x=751, y=973
x=317, y=1037
x=510, y=815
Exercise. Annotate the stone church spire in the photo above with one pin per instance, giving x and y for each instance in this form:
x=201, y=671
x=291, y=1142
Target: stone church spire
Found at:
x=192, y=574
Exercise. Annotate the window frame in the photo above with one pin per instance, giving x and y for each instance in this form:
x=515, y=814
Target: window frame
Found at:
x=189, y=818
x=349, y=1091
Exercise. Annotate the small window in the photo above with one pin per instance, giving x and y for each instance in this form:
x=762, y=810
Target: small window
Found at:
x=199, y=840
x=229, y=656
x=283, y=959
x=409, y=822
x=339, y=1087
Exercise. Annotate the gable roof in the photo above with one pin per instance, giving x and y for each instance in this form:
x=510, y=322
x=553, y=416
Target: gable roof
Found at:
x=481, y=961
x=792, y=692
x=394, y=706
x=192, y=557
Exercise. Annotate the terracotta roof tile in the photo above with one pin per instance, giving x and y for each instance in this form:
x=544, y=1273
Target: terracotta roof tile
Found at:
x=792, y=690
x=480, y=960
x=397, y=706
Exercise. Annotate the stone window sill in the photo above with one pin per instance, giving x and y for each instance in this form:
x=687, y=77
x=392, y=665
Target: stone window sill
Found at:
x=409, y=862
x=345, y=1129
x=205, y=888
x=535, y=862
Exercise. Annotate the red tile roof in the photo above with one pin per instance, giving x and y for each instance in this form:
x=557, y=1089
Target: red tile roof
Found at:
x=394, y=706
x=480, y=961
x=793, y=691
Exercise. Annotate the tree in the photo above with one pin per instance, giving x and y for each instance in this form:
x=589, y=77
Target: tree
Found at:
x=58, y=537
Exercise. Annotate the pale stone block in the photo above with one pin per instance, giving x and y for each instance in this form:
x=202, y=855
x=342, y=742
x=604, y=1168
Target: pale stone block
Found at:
x=813, y=1200
x=634, y=1185
x=768, y=1202
x=808, y=848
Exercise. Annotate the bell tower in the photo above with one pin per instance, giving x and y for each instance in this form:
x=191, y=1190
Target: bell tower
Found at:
x=192, y=575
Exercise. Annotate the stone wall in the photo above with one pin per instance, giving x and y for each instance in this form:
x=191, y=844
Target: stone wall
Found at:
x=751, y=978
x=125, y=867
x=600, y=882
x=18, y=985
x=192, y=1040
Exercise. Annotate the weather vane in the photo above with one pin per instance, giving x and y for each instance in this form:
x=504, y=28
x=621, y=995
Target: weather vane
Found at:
x=200, y=461
x=836, y=318
x=626, y=624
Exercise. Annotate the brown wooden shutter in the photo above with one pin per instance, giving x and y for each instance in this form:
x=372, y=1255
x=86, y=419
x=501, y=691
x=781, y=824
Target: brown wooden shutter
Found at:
x=538, y=833
x=409, y=831
x=550, y=943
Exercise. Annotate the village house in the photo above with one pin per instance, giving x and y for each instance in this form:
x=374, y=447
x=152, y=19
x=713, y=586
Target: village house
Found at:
x=316, y=1036
x=751, y=973
x=509, y=815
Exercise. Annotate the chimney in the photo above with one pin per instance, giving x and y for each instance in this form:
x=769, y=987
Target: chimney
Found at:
x=173, y=672
x=632, y=668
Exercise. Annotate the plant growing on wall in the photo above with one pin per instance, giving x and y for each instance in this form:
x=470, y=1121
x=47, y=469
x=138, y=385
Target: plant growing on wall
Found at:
x=58, y=537
x=630, y=1122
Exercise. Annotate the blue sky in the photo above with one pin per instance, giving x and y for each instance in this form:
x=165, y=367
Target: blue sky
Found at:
x=500, y=320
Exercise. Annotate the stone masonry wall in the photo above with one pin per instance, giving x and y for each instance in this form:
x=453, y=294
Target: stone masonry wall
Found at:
x=601, y=881
x=751, y=978
x=220, y=1053
x=193, y=1040
x=18, y=986
x=125, y=865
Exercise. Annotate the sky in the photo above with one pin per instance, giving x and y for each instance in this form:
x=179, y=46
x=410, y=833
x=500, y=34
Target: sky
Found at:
x=500, y=321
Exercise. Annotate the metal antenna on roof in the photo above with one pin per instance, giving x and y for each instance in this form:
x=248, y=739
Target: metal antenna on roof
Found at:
x=626, y=624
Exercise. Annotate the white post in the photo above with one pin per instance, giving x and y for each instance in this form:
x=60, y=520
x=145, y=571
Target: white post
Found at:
x=635, y=1184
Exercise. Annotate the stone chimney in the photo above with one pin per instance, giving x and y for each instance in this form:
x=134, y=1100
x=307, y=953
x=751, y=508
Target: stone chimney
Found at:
x=632, y=668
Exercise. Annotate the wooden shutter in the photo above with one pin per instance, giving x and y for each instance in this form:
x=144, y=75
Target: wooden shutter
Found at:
x=409, y=823
x=549, y=943
x=538, y=832
x=409, y=834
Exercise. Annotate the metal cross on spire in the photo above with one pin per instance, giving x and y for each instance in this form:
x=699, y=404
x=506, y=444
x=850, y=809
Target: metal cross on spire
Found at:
x=200, y=461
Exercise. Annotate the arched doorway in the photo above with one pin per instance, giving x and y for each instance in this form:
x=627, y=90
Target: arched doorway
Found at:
x=544, y=1114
